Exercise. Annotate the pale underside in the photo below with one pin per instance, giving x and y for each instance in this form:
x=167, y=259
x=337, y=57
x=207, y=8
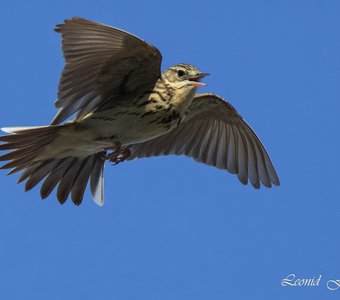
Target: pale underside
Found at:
x=106, y=70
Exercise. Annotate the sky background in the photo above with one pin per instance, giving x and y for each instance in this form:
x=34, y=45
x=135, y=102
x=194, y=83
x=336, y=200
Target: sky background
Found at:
x=172, y=228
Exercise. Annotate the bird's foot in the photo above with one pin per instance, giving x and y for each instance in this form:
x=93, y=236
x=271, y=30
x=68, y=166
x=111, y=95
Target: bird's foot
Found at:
x=118, y=154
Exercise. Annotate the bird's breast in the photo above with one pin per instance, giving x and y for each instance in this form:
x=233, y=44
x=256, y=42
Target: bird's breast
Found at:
x=145, y=118
x=150, y=124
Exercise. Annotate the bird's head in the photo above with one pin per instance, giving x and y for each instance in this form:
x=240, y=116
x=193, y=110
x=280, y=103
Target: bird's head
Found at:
x=184, y=75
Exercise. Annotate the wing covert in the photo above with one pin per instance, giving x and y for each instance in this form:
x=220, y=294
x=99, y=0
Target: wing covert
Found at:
x=101, y=63
x=215, y=134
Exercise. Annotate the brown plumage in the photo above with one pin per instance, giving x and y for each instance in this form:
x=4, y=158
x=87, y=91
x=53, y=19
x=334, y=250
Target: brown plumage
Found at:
x=125, y=108
x=215, y=134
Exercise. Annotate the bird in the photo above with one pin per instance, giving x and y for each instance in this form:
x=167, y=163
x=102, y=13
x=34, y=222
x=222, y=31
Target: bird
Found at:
x=114, y=105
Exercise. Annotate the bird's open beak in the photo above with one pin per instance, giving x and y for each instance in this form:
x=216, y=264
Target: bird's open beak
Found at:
x=196, y=79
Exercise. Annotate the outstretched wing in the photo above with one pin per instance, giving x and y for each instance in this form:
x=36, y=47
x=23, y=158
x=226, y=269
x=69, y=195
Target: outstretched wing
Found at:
x=215, y=134
x=101, y=63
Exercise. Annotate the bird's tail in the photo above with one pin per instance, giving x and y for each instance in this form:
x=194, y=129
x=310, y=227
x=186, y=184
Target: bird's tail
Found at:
x=46, y=153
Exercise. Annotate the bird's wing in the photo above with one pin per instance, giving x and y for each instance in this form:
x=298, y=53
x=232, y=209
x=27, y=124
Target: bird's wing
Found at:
x=215, y=134
x=101, y=63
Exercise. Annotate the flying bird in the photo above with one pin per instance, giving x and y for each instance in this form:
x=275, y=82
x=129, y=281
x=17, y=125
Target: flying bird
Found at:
x=123, y=107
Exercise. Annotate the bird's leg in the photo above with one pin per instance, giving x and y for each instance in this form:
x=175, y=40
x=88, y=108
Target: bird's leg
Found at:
x=118, y=153
x=123, y=155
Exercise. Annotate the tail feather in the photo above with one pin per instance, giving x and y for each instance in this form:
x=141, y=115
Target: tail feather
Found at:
x=54, y=177
x=68, y=179
x=16, y=145
x=26, y=145
x=80, y=183
x=17, y=129
x=20, y=152
x=36, y=173
x=22, y=161
x=25, y=172
x=29, y=134
x=71, y=173
x=97, y=181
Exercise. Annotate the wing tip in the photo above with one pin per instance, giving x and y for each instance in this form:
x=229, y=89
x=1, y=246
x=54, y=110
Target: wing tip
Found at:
x=74, y=20
x=59, y=27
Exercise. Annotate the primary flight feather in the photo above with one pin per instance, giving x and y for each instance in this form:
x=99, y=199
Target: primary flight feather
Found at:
x=124, y=108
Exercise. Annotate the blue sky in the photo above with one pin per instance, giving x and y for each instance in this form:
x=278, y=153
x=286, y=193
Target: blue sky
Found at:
x=172, y=228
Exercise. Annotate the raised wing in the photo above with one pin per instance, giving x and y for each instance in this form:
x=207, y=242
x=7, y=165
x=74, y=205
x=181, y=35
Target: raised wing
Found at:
x=215, y=134
x=101, y=63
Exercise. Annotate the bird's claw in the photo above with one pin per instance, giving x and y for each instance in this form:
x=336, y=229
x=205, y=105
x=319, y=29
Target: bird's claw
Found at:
x=118, y=154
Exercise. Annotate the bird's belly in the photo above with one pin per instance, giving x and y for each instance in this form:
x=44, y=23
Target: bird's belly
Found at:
x=132, y=129
x=147, y=129
x=134, y=136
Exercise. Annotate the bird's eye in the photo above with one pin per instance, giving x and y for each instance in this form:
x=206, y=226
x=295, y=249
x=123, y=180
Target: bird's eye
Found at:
x=180, y=73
